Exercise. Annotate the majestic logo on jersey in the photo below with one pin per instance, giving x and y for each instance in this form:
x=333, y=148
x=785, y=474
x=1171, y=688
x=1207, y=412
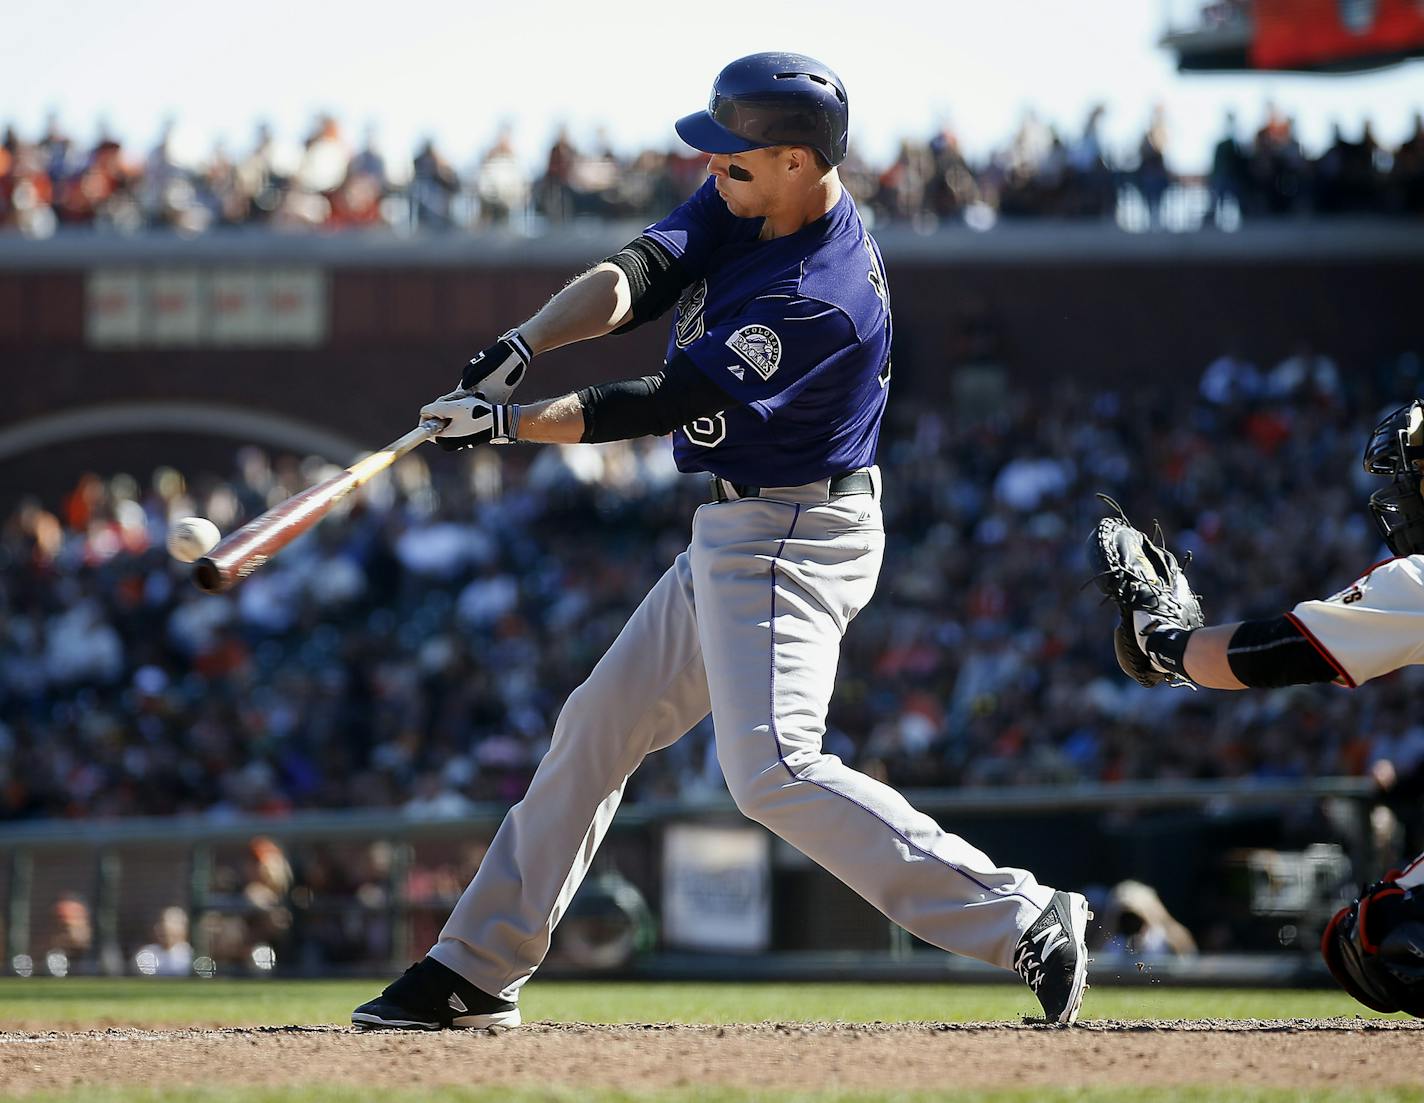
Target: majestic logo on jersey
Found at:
x=759, y=346
x=690, y=325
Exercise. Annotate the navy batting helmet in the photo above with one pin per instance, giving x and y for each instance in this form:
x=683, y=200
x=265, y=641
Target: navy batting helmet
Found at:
x=772, y=100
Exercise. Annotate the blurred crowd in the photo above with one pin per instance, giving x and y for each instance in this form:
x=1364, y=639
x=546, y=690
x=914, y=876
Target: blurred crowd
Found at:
x=53, y=182
x=309, y=909
x=413, y=651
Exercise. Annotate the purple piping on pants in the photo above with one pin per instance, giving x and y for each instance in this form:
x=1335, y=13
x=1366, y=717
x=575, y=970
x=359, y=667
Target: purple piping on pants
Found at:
x=776, y=737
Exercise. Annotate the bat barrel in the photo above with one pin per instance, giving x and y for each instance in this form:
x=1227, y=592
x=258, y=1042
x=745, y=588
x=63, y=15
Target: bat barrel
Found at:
x=239, y=554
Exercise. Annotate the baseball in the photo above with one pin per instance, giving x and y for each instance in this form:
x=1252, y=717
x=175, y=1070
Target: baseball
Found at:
x=192, y=538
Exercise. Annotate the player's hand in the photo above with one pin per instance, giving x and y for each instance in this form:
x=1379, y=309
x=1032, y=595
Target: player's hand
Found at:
x=471, y=420
x=497, y=370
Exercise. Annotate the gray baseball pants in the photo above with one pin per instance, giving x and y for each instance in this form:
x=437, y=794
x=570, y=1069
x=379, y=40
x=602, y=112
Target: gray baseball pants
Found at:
x=746, y=624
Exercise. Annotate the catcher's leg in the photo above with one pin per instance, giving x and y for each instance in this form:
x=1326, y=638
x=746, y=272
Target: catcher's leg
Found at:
x=645, y=693
x=1375, y=946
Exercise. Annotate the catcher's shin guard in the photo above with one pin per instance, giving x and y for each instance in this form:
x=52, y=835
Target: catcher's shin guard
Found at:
x=1375, y=948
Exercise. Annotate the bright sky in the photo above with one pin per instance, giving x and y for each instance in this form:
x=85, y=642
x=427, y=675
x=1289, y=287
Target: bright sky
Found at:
x=456, y=69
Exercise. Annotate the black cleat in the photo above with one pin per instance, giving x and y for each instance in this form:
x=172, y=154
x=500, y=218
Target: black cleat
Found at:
x=431, y=996
x=1052, y=956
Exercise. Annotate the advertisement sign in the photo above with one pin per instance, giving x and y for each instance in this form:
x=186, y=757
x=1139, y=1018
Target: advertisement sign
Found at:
x=717, y=888
x=1323, y=34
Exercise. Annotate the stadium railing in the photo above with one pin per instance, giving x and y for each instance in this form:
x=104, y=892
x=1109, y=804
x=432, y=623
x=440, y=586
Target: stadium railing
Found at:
x=326, y=893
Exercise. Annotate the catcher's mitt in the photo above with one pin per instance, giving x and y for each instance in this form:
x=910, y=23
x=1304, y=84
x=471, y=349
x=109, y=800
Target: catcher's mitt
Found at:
x=1375, y=947
x=1138, y=574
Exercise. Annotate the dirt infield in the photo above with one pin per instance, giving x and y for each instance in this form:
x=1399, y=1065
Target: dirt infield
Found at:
x=802, y=1057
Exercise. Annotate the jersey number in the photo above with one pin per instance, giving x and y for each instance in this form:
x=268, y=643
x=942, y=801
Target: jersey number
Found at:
x=884, y=375
x=708, y=432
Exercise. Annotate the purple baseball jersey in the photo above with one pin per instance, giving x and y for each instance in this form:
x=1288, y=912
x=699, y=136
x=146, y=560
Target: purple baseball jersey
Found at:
x=797, y=329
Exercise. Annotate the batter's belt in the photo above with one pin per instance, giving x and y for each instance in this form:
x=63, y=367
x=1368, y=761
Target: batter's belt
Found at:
x=859, y=481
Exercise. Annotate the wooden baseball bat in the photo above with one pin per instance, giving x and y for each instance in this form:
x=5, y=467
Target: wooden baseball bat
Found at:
x=236, y=556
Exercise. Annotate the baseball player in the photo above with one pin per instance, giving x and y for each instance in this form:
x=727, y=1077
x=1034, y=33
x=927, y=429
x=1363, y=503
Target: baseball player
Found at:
x=1375, y=946
x=775, y=380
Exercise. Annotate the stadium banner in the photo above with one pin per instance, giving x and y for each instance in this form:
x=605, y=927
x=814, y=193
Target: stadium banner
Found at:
x=1317, y=34
x=296, y=306
x=716, y=888
x=177, y=303
x=239, y=316
x=187, y=307
x=114, y=307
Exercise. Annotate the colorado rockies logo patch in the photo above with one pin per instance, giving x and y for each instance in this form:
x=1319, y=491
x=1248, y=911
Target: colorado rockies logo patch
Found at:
x=690, y=325
x=759, y=346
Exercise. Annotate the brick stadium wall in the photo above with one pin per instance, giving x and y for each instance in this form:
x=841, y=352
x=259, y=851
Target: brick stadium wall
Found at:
x=397, y=333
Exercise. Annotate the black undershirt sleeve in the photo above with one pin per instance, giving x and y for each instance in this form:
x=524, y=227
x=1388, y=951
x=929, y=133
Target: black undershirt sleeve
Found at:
x=655, y=279
x=1265, y=654
x=652, y=405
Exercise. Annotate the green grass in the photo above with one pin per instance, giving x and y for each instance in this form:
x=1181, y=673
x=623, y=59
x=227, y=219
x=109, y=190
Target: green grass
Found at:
x=77, y=1003
x=725, y=1095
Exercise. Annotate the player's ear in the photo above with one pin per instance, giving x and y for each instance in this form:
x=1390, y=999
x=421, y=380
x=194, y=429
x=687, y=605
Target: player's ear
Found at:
x=798, y=159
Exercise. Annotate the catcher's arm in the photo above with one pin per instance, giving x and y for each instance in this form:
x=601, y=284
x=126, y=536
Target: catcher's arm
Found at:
x=1158, y=609
x=1162, y=635
x=1206, y=660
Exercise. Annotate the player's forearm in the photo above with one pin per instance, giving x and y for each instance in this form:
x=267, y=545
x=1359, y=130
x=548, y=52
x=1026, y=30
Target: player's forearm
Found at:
x=1206, y=659
x=626, y=409
x=1253, y=654
x=553, y=421
x=596, y=303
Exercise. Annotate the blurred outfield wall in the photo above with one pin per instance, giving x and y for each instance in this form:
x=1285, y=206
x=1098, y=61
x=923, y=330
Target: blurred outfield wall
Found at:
x=348, y=335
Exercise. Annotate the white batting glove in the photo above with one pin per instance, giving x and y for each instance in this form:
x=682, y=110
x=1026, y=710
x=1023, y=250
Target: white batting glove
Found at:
x=471, y=420
x=495, y=372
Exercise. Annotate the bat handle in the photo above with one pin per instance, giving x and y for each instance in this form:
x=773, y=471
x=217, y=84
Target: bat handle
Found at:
x=426, y=430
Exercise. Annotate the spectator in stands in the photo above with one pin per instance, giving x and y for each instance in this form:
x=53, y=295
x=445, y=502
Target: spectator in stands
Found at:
x=1278, y=166
x=554, y=194
x=433, y=187
x=501, y=182
x=170, y=954
x=1135, y=921
x=1228, y=175
x=102, y=193
x=325, y=157
x=1305, y=373
x=1151, y=176
x=357, y=669
x=164, y=192
x=26, y=190
x=1038, y=173
x=1091, y=190
x=69, y=940
x=1230, y=379
x=1406, y=175
x=258, y=184
x=55, y=148
x=357, y=200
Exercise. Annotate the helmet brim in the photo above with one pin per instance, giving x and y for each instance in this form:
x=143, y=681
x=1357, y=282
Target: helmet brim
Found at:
x=702, y=132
